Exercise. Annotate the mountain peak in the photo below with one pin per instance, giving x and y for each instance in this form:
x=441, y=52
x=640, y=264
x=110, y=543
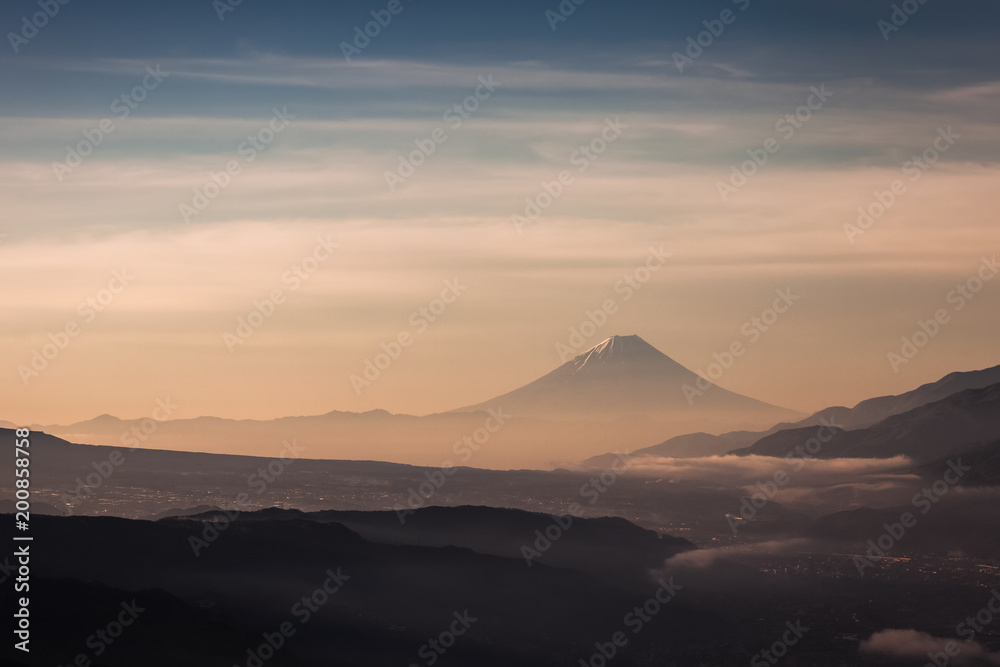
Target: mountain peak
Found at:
x=625, y=375
x=619, y=346
x=105, y=418
x=616, y=350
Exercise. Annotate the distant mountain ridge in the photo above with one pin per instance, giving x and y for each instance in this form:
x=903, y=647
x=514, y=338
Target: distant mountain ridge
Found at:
x=591, y=545
x=866, y=413
x=622, y=390
x=967, y=420
x=873, y=410
x=621, y=393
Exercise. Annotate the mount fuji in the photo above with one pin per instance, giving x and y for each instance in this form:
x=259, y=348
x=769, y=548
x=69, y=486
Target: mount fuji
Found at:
x=621, y=393
x=626, y=376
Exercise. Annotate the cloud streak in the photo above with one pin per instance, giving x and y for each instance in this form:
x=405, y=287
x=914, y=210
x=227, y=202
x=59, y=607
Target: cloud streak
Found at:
x=912, y=644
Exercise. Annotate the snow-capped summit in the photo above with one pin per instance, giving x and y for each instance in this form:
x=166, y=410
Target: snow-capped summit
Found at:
x=623, y=350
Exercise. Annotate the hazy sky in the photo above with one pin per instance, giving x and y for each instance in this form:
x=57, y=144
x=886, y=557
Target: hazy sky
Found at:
x=606, y=77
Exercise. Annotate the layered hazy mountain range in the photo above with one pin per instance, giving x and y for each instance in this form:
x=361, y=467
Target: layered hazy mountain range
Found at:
x=621, y=395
